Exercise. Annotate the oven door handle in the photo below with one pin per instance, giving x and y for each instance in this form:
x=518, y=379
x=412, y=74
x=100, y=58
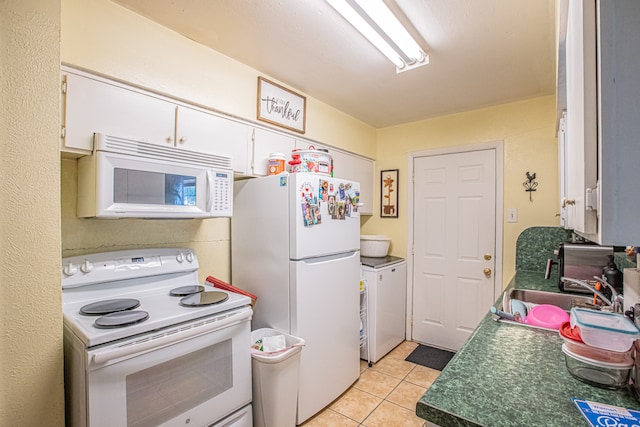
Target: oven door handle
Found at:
x=146, y=345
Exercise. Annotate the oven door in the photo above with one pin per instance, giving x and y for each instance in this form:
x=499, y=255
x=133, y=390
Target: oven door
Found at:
x=194, y=374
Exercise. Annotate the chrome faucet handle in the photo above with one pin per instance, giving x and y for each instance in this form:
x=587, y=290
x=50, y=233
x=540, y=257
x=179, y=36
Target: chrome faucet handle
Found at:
x=590, y=288
x=616, y=297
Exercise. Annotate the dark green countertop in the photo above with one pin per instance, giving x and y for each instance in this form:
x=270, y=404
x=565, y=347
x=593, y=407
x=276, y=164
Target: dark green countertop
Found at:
x=510, y=375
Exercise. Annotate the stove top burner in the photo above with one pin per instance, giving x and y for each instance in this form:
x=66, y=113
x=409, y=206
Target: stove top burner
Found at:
x=101, y=308
x=186, y=290
x=204, y=298
x=120, y=319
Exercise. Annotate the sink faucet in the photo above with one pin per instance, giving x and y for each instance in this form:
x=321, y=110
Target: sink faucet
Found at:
x=616, y=299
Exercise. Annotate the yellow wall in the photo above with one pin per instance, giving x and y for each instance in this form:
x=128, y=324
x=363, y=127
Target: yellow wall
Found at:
x=31, y=381
x=106, y=38
x=528, y=131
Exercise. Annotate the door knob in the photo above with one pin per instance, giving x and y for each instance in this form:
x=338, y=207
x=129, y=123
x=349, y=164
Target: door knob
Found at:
x=487, y=272
x=487, y=257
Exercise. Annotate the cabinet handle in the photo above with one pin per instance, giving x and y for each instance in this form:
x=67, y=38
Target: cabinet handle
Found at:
x=182, y=140
x=169, y=140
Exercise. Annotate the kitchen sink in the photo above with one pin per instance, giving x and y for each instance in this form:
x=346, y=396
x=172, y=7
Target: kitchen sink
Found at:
x=563, y=300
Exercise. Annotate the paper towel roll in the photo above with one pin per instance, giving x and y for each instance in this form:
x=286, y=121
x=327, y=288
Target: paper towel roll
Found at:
x=630, y=287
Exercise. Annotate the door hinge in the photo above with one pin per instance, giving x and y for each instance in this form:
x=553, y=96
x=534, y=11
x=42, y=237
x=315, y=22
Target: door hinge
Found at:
x=63, y=86
x=63, y=132
x=591, y=198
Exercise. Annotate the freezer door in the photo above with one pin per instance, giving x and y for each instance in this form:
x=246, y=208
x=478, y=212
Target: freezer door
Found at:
x=325, y=313
x=324, y=213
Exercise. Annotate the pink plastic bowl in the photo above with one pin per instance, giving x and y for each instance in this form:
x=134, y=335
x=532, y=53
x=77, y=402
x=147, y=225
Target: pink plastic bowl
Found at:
x=546, y=316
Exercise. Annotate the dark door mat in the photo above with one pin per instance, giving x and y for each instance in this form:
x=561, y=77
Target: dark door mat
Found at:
x=430, y=357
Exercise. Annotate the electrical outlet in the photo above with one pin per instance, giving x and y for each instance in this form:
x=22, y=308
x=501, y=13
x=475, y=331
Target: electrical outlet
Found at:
x=512, y=215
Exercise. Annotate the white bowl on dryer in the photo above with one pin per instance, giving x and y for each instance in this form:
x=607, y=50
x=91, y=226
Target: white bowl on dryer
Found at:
x=374, y=245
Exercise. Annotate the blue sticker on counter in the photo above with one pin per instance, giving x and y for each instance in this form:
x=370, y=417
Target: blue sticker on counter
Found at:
x=283, y=181
x=599, y=414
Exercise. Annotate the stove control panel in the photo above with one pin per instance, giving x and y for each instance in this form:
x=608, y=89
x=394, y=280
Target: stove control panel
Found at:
x=123, y=265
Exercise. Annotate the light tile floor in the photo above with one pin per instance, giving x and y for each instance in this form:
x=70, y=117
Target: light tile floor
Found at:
x=385, y=395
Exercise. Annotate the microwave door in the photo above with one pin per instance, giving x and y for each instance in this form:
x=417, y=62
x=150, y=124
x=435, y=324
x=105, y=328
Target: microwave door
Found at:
x=146, y=188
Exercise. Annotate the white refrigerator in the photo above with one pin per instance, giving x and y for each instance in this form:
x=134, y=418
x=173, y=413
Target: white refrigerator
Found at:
x=295, y=245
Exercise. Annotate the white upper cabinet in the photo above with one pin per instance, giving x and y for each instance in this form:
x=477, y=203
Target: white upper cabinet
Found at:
x=581, y=121
x=208, y=133
x=601, y=151
x=359, y=169
x=92, y=105
x=266, y=142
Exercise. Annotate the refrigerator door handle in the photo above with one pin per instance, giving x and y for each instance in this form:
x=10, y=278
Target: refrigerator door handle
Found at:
x=327, y=258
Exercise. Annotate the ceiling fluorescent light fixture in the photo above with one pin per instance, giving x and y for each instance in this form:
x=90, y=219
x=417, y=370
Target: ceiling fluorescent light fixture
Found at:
x=381, y=27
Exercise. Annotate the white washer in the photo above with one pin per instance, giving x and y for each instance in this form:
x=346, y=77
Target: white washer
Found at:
x=386, y=284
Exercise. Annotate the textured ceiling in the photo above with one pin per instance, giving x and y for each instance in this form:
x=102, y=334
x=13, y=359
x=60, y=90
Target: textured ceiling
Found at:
x=482, y=52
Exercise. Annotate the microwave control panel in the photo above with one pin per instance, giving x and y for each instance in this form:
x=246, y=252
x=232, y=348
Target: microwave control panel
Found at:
x=222, y=193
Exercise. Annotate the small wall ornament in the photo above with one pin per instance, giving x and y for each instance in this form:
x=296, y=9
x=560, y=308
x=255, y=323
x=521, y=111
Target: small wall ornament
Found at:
x=389, y=193
x=530, y=184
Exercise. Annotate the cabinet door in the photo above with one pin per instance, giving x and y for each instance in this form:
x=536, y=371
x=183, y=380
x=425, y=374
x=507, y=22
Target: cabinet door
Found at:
x=581, y=122
x=92, y=105
x=356, y=168
x=207, y=133
x=619, y=121
x=562, y=168
x=265, y=142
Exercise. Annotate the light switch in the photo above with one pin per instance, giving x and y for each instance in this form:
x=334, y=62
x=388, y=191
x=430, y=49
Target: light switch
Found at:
x=512, y=215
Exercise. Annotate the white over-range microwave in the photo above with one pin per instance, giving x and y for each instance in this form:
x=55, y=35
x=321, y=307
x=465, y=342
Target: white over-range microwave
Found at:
x=124, y=178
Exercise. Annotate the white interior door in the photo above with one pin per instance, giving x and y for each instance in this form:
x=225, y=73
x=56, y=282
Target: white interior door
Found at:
x=454, y=245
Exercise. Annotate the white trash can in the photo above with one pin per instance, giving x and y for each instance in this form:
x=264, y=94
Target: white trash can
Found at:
x=275, y=381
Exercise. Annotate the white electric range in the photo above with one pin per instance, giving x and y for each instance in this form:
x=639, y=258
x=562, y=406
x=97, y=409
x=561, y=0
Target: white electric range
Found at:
x=147, y=345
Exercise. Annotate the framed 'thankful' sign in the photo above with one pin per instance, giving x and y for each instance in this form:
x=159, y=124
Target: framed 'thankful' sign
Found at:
x=280, y=106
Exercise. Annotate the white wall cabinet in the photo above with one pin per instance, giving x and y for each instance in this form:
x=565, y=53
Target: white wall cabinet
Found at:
x=93, y=104
x=356, y=168
x=602, y=120
x=208, y=133
x=266, y=142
